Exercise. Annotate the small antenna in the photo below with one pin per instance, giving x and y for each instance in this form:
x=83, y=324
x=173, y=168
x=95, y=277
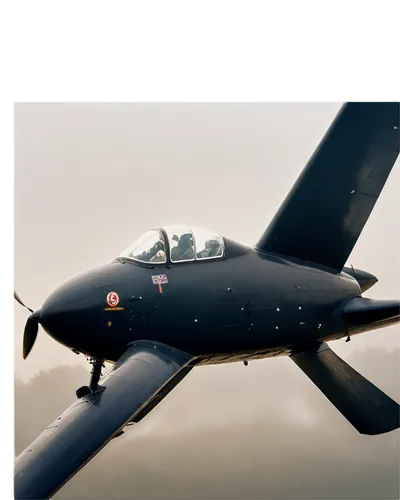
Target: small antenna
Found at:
x=355, y=277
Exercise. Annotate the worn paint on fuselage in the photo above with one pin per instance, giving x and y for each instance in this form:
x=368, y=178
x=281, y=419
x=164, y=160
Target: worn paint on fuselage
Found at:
x=252, y=305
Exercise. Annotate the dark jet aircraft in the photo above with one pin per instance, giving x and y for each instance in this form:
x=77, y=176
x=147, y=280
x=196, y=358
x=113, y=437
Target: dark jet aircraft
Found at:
x=182, y=297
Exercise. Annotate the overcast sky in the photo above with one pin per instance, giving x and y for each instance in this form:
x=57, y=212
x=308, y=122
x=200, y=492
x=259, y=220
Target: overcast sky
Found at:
x=91, y=178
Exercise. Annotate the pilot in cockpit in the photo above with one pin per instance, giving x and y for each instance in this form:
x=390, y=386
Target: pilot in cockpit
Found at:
x=184, y=249
x=155, y=254
x=212, y=248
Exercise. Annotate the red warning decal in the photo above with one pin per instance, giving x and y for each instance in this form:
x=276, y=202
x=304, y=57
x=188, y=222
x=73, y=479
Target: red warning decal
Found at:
x=112, y=299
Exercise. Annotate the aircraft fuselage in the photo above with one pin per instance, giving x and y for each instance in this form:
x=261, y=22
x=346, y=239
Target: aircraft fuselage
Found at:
x=249, y=306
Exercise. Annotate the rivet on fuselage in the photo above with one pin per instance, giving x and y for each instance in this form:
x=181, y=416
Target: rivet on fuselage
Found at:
x=299, y=308
x=229, y=289
x=109, y=323
x=278, y=309
x=277, y=327
x=135, y=298
x=196, y=320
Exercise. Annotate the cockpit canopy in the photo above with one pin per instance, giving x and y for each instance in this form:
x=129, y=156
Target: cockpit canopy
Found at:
x=181, y=243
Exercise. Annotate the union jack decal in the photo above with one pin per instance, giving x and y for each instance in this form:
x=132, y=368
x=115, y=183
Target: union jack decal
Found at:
x=159, y=279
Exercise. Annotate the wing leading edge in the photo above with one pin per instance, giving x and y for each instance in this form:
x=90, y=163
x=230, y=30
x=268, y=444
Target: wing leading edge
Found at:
x=328, y=206
x=365, y=406
x=146, y=370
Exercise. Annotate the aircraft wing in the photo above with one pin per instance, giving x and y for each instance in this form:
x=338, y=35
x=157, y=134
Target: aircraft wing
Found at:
x=141, y=377
x=365, y=406
x=328, y=206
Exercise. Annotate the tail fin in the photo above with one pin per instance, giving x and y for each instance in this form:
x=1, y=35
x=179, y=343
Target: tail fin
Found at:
x=365, y=406
x=363, y=314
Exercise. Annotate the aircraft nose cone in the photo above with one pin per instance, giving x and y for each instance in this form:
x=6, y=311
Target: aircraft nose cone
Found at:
x=67, y=313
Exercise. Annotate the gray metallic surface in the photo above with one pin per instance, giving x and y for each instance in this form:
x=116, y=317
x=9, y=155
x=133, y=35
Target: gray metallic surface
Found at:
x=327, y=208
x=365, y=406
x=88, y=424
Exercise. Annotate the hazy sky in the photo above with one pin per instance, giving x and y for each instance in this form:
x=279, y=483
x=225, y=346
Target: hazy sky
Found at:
x=89, y=180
